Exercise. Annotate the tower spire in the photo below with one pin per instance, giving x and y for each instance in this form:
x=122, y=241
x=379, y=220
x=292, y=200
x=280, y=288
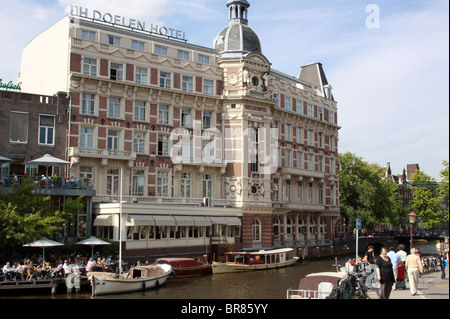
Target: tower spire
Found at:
x=238, y=11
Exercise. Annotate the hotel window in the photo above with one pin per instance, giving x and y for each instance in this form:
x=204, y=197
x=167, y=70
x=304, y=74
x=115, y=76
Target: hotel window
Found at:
x=86, y=171
x=87, y=104
x=254, y=165
x=185, y=185
x=299, y=160
x=289, y=224
x=46, y=129
x=287, y=158
x=332, y=196
x=116, y=71
x=112, y=182
x=113, y=40
x=114, y=108
x=276, y=190
x=89, y=66
x=287, y=132
x=163, y=145
x=207, y=185
x=137, y=45
x=310, y=162
x=311, y=193
x=299, y=135
x=183, y=55
x=256, y=230
x=88, y=35
x=207, y=120
x=320, y=142
x=321, y=194
x=141, y=76
x=113, y=140
x=320, y=113
x=138, y=183
x=163, y=115
x=300, y=192
x=139, y=142
x=310, y=135
x=208, y=87
x=331, y=117
x=288, y=103
x=320, y=163
x=331, y=146
x=139, y=111
x=332, y=167
x=186, y=118
x=86, y=137
x=309, y=110
x=301, y=226
x=162, y=184
x=187, y=84
x=299, y=107
x=288, y=191
x=160, y=50
x=203, y=59
x=19, y=127
x=165, y=80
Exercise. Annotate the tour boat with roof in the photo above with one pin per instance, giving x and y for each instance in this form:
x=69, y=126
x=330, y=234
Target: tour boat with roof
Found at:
x=252, y=261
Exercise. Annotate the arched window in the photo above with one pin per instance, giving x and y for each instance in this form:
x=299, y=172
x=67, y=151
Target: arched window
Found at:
x=322, y=225
x=256, y=230
x=312, y=225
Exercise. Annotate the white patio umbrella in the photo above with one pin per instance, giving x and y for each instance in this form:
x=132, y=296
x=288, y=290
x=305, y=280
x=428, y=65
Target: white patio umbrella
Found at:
x=43, y=243
x=93, y=241
x=48, y=160
x=4, y=159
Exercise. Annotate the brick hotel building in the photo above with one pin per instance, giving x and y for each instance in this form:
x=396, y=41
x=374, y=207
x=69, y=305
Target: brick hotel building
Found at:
x=131, y=90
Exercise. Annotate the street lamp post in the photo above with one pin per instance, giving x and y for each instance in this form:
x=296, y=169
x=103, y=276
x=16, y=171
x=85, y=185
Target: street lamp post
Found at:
x=412, y=220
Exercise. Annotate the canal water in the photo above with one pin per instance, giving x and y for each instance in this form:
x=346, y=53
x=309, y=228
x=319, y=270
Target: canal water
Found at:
x=269, y=284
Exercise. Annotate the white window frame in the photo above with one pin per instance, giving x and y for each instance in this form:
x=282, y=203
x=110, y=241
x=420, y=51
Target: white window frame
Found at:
x=47, y=130
x=89, y=66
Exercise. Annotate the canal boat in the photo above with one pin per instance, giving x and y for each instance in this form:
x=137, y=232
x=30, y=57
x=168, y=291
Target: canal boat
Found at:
x=317, y=285
x=185, y=267
x=136, y=279
x=251, y=261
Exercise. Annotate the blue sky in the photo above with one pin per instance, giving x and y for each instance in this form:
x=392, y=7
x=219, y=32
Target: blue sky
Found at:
x=391, y=81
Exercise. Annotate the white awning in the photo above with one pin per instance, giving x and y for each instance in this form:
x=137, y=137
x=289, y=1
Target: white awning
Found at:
x=219, y=220
x=201, y=221
x=184, y=221
x=140, y=220
x=161, y=220
x=234, y=221
x=103, y=221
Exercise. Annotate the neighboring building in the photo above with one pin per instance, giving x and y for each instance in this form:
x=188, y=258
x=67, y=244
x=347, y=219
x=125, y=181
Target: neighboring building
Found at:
x=216, y=146
x=32, y=126
x=403, y=181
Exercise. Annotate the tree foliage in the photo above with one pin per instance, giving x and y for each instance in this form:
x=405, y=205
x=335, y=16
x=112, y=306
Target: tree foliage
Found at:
x=26, y=217
x=366, y=194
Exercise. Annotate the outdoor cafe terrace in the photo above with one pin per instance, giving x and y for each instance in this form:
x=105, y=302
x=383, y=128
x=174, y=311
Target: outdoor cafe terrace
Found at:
x=48, y=185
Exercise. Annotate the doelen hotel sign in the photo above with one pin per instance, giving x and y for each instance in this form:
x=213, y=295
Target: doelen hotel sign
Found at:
x=117, y=20
x=10, y=85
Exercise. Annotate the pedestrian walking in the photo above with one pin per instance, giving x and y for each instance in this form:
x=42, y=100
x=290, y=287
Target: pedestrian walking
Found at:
x=385, y=274
x=395, y=260
x=443, y=263
x=414, y=267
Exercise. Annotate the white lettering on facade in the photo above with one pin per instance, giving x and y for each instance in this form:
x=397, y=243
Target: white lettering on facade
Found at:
x=117, y=20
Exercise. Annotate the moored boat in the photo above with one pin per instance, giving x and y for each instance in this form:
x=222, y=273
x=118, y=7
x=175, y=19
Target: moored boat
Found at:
x=185, y=267
x=252, y=261
x=317, y=285
x=136, y=279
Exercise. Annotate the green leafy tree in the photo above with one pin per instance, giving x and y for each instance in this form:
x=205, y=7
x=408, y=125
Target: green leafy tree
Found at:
x=366, y=194
x=25, y=217
x=426, y=201
x=444, y=189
